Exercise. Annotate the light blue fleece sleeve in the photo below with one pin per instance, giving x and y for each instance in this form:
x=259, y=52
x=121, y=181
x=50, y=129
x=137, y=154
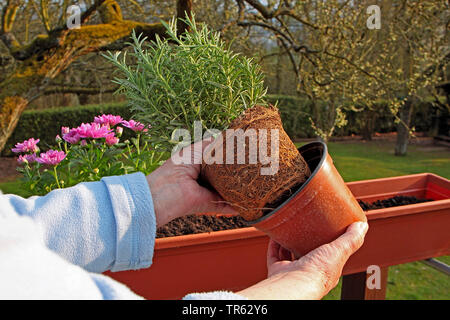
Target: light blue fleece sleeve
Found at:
x=99, y=226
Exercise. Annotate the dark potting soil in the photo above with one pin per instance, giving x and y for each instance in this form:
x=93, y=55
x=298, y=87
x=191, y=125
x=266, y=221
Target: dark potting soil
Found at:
x=198, y=224
x=203, y=223
x=391, y=202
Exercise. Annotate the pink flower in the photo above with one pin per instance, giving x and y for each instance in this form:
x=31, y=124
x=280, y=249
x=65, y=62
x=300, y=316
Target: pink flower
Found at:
x=29, y=145
x=27, y=158
x=111, y=139
x=134, y=125
x=51, y=157
x=93, y=130
x=72, y=136
x=108, y=119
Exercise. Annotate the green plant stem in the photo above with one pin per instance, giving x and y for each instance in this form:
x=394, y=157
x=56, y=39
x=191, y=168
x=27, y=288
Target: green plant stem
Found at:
x=56, y=177
x=138, y=140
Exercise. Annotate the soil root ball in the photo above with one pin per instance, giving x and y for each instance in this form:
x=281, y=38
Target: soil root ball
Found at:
x=270, y=171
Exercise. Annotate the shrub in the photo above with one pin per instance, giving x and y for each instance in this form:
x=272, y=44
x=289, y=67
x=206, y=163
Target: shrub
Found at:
x=45, y=124
x=295, y=113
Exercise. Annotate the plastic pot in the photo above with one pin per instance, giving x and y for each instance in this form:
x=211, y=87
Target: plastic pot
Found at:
x=318, y=212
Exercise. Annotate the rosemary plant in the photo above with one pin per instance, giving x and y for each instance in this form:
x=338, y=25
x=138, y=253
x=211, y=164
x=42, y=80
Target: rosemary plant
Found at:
x=185, y=78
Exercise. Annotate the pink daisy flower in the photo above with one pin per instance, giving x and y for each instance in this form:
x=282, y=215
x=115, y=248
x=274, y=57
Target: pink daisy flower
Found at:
x=108, y=119
x=27, y=158
x=72, y=136
x=93, y=130
x=51, y=157
x=134, y=125
x=29, y=145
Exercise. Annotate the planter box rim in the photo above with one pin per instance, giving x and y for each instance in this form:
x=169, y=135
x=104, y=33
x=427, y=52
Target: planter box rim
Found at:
x=207, y=237
x=387, y=179
x=415, y=208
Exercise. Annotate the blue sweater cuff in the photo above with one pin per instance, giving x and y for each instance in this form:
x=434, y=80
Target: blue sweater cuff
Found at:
x=135, y=221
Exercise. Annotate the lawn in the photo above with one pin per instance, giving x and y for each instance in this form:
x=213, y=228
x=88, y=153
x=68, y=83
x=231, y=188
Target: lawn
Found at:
x=376, y=159
x=369, y=160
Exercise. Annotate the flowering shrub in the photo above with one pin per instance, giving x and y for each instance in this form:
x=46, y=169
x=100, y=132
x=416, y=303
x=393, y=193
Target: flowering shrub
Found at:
x=88, y=153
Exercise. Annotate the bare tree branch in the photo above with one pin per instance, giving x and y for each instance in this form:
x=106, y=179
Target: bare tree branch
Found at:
x=8, y=18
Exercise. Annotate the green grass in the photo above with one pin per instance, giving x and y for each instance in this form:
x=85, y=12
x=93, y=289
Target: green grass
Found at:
x=370, y=160
x=376, y=159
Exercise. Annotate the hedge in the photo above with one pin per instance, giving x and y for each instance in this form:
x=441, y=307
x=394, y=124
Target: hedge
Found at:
x=295, y=111
x=46, y=124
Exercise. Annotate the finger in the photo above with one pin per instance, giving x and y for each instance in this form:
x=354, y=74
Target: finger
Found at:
x=284, y=254
x=350, y=241
x=272, y=252
x=211, y=201
x=191, y=156
x=328, y=260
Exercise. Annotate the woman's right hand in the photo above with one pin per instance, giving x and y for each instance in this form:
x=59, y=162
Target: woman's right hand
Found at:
x=313, y=275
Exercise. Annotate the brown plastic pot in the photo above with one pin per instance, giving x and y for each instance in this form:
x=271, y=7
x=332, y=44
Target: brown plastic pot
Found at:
x=235, y=259
x=318, y=212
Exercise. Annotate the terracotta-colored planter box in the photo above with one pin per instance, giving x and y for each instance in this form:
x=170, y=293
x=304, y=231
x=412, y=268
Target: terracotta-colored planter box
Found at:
x=235, y=259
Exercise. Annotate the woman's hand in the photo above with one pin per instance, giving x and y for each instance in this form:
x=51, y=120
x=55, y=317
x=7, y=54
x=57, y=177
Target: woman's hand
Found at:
x=313, y=275
x=176, y=192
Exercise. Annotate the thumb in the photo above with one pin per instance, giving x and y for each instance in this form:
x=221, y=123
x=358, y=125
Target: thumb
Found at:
x=329, y=259
x=350, y=241
x=333, y=256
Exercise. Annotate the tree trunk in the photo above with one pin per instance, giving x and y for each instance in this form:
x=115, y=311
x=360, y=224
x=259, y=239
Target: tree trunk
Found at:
x=368, y=127
x=405, y=113
x=16, y=91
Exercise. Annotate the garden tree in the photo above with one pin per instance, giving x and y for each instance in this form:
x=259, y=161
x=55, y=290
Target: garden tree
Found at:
x=39, y=60
x=341, y=64
x=417, y=49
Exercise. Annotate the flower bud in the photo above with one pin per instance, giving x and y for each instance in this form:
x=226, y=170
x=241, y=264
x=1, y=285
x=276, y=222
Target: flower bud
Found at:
x=119, y=131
